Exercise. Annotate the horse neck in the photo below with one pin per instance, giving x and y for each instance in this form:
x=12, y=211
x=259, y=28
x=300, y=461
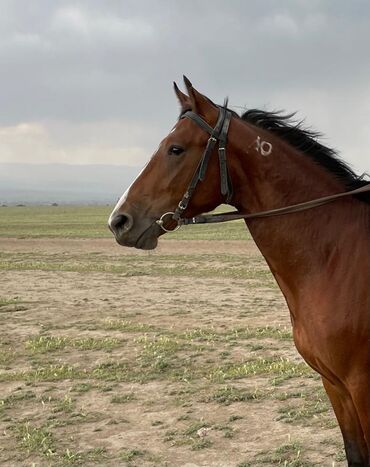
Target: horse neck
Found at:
x=296, y=246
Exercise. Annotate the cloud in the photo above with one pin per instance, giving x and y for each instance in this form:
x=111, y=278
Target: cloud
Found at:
x=91, y=143
x=91, y=64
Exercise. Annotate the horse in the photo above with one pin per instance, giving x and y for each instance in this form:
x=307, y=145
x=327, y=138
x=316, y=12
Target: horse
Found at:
x=308, y=213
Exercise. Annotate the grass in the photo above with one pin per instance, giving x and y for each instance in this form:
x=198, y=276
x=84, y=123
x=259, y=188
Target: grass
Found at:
x=123, y=398
x=287, y=455
x=232, y=266
x=45, y=373
x=44, y=344
x=283, y=367
x=91, y=222
x=129, y=455
x=126, y=326
x=7, y=356
x=92, y=456
x=40, y=441
x=310, y=406
x=227, y=395
x=34, y=439
x=8, y=301
x=190, y=436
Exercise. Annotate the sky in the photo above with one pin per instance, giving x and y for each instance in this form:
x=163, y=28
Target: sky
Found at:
x=90, y=82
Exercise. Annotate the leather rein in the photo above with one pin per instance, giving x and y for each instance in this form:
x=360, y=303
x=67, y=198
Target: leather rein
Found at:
x=219, y=134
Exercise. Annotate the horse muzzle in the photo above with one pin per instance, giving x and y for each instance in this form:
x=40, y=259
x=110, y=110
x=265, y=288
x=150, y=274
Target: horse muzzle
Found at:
x=134, y=233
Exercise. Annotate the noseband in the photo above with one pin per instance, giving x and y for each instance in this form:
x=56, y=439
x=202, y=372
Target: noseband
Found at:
x=219, y=134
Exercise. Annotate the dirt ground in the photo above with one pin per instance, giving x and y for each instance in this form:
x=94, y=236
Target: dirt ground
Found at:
x=178, y=357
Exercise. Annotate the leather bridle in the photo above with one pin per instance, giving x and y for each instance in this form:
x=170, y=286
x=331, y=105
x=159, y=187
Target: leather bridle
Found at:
x=219, y=134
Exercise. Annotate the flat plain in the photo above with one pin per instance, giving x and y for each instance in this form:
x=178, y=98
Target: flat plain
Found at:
x=178, y=357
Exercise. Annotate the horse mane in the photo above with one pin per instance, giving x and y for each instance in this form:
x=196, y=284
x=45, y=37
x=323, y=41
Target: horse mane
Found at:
x=306, y=141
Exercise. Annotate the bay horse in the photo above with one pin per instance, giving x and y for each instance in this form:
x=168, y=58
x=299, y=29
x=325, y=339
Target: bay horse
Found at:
x=280, y=179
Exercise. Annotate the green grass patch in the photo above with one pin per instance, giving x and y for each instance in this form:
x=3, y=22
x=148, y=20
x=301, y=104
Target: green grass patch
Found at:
x=312, y=405
x=44, y=344
x=91, y=222
x=129, y=455
x=287, y=455
x=227, y=395
x=189, y=436
x=44, y=373
x=92, y=456
x=38, y=440
x=8, y=301
x=65, y=405
x=123, y=398
x=7, y=356
x=261, y=366
x=205, y=266
x=127, y=326
x=158, y=353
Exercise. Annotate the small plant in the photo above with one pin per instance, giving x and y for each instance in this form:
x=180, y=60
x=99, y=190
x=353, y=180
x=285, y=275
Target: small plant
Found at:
x=229, y=394
x=127, y=326
x=131, y=454
x=123, y=398
x=65, y=405
x=36, y=439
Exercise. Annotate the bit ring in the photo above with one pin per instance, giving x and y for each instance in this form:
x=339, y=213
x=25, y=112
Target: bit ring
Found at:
x=160, y=222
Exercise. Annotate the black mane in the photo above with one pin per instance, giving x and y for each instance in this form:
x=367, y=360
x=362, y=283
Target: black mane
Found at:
x=306, y=141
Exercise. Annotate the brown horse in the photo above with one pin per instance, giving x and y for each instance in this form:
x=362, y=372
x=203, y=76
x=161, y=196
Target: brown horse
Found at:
x=319, y=257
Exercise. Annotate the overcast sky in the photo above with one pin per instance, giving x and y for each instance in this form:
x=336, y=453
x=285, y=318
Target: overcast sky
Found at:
x=91, y=82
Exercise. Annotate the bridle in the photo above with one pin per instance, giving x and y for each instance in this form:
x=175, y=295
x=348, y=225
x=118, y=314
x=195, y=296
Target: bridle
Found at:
x=219, y=134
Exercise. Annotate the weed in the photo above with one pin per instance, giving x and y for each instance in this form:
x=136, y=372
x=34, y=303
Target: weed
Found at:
x=229, y=394
x=287, y=455
x=198, y=444
x=70, y=457
x=127, y=326
x=131, y=454
x=82, y=387
x=35, y=439
x=65, y=405
x=7, y=356
x=311, y=404
x=45, y=373
x=269, y=366
x=123, y=398
x=44, y=344
x=8, y=301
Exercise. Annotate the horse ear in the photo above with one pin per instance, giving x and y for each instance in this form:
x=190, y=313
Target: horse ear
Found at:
x=199, y=103
x=183, y=98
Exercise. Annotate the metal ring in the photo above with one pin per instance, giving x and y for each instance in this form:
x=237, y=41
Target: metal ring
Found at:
x=160, y=222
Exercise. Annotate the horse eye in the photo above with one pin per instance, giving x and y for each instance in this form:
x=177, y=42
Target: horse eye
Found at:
x=176, y=151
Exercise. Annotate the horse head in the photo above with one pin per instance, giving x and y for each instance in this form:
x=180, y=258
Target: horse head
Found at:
x=162, y=183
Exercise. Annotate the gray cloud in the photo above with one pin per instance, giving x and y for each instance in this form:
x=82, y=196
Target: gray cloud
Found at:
x=70, y=68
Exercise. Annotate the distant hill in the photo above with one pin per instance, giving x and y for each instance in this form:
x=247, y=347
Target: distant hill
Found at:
x=62, y=183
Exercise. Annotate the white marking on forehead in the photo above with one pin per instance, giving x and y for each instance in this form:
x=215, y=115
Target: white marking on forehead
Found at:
x=124, y=197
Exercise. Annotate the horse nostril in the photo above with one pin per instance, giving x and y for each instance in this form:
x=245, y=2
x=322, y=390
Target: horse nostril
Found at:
x=121, y=223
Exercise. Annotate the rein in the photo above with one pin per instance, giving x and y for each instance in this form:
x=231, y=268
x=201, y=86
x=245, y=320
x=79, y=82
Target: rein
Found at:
x=219, y=134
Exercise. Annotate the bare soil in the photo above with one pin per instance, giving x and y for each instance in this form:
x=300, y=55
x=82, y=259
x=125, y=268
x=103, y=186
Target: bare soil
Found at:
x=149, y=411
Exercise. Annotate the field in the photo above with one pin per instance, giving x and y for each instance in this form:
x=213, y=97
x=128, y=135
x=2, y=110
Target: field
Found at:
x=178, y=357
